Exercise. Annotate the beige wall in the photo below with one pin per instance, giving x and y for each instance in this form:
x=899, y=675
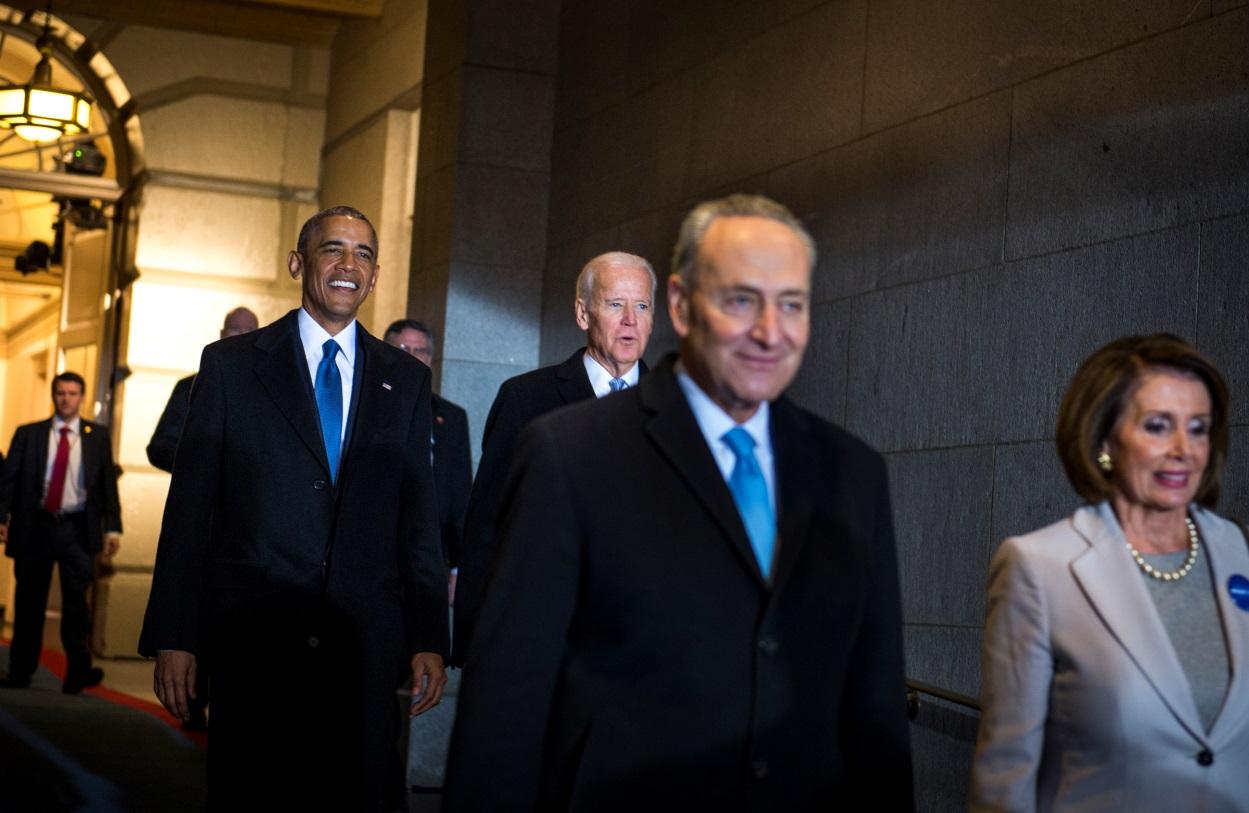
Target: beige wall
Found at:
x=369, y=157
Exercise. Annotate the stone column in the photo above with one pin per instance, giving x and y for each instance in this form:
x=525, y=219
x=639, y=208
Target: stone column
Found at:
x=483, y=180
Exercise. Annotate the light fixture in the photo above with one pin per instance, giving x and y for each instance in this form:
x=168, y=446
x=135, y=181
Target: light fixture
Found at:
x=37, y=111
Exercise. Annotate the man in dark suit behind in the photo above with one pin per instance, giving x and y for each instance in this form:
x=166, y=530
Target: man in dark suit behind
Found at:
x=58, y=498
x=695, y=603
x=614, y=305
x=300, y=544
x=164, y=443
x=453, y=457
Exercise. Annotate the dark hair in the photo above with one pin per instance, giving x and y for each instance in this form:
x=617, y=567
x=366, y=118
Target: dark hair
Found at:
x=71, y=377
x=1100, y=391
x=400, y=325
x=310, y=225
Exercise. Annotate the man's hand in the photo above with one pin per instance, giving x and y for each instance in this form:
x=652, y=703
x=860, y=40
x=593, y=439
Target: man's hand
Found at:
x=174, y=680
x=428, y=677
x=112, y=543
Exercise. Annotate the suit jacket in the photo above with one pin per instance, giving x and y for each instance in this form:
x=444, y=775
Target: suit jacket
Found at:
x=453, y=471
x=21, y=486
x=164, y=443
x=520, y=400
x=253, y=515
x=1085, y=704
x=629, y=654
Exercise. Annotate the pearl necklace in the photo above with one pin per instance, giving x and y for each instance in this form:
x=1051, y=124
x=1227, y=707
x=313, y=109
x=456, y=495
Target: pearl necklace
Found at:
x=1194, y=548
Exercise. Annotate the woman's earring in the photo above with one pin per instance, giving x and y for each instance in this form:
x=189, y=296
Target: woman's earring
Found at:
x=1104, y=462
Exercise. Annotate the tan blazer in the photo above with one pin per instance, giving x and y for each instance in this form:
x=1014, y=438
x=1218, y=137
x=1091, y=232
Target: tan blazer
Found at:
x=1085, y=704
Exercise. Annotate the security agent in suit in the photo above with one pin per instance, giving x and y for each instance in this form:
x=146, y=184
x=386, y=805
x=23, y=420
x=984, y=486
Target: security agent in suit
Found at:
x=614, y=306
x=58, y=498
x=164, y=443
x=300, y=543
x=695, y=603
x=453, y=457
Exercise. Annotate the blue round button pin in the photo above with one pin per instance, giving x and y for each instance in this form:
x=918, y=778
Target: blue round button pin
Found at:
x=1238, y=589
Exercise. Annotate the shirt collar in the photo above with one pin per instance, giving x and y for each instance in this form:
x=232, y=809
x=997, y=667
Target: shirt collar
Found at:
x=313, y=337
x=600, y=377
x=714, y=421
x=74, y=426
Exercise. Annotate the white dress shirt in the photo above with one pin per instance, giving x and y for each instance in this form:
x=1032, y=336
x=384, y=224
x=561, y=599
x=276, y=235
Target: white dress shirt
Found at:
x=600, y=376
x=74, y=497
x=313, y=336
x=715, y=422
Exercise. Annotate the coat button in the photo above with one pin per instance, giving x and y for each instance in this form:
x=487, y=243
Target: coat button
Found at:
x=313, y=641
x=759, y=768
x=319, y=485
x=1205, y=758
x=769, y=646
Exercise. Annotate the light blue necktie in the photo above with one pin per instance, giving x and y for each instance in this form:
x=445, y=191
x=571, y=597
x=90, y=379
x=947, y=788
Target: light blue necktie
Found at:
x=750, y=492
x=330, y=404
x=617, y=384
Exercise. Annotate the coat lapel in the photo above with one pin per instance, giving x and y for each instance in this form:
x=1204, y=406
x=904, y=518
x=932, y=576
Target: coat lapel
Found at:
x=366, y=404
x=283, y=372
x=41, y=451
x=675, y=432
x=1229, y=555
x=89, y=451
x=1113, y=584
x=572, y=382
x=795, y=476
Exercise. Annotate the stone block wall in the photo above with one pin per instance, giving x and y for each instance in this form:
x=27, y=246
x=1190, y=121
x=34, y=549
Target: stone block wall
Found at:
x=996, y=189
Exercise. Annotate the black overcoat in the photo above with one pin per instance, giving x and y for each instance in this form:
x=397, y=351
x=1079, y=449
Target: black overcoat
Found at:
x=630, y=656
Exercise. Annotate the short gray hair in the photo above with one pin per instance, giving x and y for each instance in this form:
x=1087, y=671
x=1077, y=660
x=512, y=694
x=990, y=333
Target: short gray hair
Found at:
x=612, y=259
x=698, y=221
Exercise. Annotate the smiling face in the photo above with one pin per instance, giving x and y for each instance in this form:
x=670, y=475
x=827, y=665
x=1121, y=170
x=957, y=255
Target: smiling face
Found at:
x=618, y=316
x=338, y=270
x=746, y=321
x=1161, y=443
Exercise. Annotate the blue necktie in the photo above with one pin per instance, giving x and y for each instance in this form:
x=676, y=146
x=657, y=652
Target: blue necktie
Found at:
x=750, y=492
x=330, y=404
x=617, y=384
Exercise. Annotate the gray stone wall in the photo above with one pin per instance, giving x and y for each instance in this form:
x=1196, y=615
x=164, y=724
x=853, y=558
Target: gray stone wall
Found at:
x=996, y=188
x=483, y=175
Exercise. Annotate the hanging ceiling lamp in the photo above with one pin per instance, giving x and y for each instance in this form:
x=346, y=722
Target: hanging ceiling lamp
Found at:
x=38, y=112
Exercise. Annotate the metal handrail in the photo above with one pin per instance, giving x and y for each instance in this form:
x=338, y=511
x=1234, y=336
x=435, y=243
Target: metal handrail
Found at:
x=914, y=688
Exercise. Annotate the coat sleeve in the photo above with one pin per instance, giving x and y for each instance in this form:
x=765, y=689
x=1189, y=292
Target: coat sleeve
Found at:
x=461, y=474
x=1015, y=675
x=422, y=567
x=9, y=473
x=172, y=620
x=476, y=546
x=111, y=516
x=164, y=443
x=873, y=727
x=518, y=647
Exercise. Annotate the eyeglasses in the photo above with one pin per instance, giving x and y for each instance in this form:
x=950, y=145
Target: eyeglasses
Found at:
x=415, y=351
